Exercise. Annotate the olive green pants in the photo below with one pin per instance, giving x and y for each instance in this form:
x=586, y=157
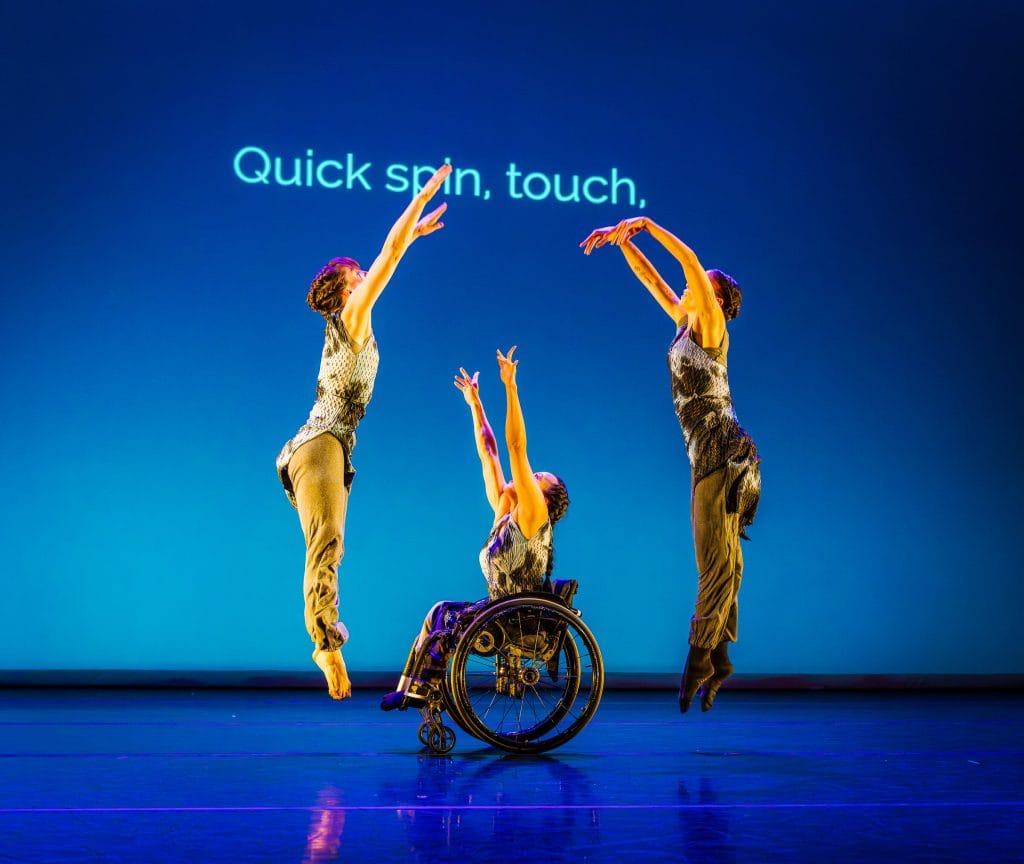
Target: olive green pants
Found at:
x=716, y=542
x=317, y=474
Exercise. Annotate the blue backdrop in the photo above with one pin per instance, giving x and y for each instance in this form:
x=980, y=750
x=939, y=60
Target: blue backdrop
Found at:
x=854, y=165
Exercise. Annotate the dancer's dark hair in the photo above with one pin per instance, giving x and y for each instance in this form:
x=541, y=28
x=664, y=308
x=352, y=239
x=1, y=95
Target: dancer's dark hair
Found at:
x=556, y=497
x=325, y=290
x=729, y=291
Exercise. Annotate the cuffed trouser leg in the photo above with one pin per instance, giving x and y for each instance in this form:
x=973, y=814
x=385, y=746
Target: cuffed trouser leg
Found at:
x=317, y=472
x=414, y=663
x=716, y=541
x=427, y=657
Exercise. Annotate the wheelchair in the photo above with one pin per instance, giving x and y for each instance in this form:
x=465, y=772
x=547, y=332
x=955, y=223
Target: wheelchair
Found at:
x=523, y=674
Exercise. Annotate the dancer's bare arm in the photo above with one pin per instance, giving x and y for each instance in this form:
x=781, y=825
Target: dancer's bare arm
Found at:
x=531, y=511
x=408, y=227
x=486, y=444
x=709, y=319
x=642, y=268
x=645, y=271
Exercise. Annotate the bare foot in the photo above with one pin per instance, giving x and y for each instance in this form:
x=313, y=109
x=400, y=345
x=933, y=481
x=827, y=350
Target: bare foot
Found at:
x=334, y=670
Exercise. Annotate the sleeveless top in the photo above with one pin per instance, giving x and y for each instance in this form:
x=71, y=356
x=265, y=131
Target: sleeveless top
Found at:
x=343, y=389
x=714, y=438
x=510, y=562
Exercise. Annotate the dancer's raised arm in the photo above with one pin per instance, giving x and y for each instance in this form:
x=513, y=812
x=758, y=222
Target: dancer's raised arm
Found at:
x=651, y=279
x=486, y=444
x=708, y=308
x=531, y=511
x=646, y=272
x=702, y=306
x=409, y=226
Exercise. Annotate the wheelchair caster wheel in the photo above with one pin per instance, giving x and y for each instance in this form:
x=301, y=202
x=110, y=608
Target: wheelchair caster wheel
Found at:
x=424, y=733
x=441, y=739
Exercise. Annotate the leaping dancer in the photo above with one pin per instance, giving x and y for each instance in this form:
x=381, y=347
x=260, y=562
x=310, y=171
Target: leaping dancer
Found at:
x=725, y=472
x=316, y=465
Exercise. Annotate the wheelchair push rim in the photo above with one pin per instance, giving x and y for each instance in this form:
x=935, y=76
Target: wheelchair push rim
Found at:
x=527, y=675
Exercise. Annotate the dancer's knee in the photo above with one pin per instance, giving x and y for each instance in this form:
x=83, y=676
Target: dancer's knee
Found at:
x=326, y=547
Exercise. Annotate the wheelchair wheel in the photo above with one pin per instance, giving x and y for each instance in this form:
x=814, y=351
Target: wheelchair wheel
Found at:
x=441, y=739
x=423, y=733
x=526, y=676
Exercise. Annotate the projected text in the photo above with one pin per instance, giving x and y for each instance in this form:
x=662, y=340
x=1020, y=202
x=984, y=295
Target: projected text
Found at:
x=256, y=166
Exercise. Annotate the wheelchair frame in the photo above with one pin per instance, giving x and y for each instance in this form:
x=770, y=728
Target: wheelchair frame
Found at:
x=525, y=651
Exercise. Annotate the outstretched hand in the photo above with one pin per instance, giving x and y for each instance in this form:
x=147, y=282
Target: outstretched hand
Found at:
x=470, y=387
x=430, y=188
x=597, y=237
x=628, y=228
x=429, y=223
x=614, y=234
x=507, y=366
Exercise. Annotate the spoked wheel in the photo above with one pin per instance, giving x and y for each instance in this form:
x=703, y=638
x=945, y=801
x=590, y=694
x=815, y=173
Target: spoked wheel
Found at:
x=527, y=675
x=424, y=733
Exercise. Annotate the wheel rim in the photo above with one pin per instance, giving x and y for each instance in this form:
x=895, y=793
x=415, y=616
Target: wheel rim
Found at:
x=538, y=688
x=441, y=739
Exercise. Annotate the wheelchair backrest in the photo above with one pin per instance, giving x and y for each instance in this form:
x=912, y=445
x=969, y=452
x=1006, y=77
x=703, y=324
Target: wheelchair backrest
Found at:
x=565, y=589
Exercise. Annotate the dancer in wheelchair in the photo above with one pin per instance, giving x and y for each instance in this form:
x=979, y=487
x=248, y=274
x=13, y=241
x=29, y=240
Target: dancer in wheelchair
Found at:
x=519, y=552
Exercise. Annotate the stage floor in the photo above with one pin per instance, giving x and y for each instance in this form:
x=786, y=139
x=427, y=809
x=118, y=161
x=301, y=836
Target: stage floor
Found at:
x=290, y=776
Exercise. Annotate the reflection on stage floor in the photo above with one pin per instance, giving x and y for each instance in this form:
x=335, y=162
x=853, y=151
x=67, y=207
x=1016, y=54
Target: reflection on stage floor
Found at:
x=281, y=776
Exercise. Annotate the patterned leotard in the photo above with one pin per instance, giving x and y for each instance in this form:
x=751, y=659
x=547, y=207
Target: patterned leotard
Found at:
x=714, y=438
x=512, y=563
x=343, y=389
